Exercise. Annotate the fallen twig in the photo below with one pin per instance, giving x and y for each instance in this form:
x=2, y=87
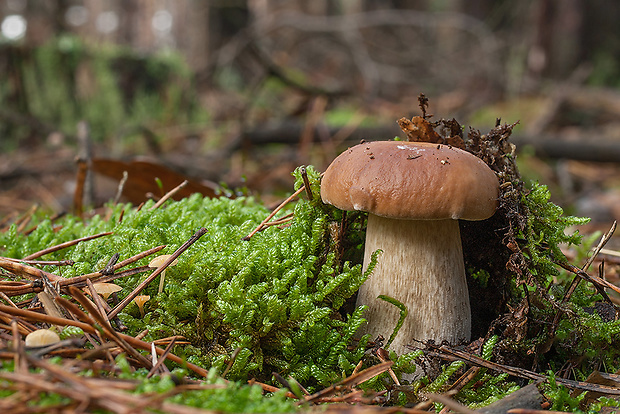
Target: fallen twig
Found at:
x=590, y=260
x=351, y=381
x=598, y=282
x=96, y=275
x=156, y=273
x=453, y=354
x=9, y=288
x=29, y=272
x=89, y=328
x=43, y=262
x=169, y=194
x=80, y=281
x=609, y=252
x=64, y=245
x=274, y=212
x=453, y=405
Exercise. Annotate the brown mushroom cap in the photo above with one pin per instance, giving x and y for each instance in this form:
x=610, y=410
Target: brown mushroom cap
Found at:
x=411, y=180
x=140, y=301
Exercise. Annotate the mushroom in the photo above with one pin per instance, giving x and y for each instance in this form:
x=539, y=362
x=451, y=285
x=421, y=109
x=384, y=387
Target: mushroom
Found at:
x=159, y=261
x=106, y=289
x=414, y=193
x=140, y=301
x=41, y=337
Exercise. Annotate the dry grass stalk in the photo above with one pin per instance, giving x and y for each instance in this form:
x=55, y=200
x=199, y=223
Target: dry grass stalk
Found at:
x=23, y=221
x=169, y=194
x=127, y=300
x=64, y=245
x=89, y=327
x=274, y=212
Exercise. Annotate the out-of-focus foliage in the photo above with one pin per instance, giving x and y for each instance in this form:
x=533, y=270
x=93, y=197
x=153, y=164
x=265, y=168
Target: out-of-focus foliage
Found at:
x=117, y=92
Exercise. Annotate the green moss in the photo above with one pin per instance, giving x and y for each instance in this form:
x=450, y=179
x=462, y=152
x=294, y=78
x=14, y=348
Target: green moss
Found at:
x=116, y=91
x=274, y=303
x=546, y=231
x=275, y=297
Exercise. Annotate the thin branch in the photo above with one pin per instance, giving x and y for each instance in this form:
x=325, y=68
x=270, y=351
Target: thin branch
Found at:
x=64, y=245
x=156, y=273
x=123, y=263
x=282, y=220
x=454, y=354
x=590, y=260
x=29, y=272
x=598, y=282
x=168, y=195
x=42, y=262
x=274, y=212
x=96, y=299
x=39, y=317
x=107, y=328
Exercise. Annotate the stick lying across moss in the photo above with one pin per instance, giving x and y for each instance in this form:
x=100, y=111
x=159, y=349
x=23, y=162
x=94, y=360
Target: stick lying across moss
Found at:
x=274, y=298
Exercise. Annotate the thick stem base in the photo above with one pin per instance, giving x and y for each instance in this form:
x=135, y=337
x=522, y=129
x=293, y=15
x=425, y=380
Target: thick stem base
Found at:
x=422, y=267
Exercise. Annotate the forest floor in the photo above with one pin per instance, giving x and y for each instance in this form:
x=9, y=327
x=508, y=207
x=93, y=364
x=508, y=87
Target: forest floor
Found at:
x=569, y=141
x=576, y=161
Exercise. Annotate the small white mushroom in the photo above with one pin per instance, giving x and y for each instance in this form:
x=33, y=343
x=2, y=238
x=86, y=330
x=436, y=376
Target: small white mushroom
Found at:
x=158, y=262
x=41, y=337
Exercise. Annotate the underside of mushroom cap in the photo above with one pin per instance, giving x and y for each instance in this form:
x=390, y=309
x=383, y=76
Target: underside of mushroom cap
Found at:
x=411, y=180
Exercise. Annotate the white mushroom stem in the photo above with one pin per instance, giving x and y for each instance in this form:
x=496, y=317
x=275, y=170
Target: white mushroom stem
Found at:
x=422, y=267
x=158, y=262
x=161, y=281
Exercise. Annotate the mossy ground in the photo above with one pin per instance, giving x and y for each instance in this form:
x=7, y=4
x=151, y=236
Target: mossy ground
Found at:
x=280, y=301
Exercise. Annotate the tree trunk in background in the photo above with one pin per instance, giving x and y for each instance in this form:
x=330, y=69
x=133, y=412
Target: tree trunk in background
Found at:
x=559, y=28
x=41, y=16
x=600, y=41
x=89, y=30
x=548, y=38
x=195, y=33
x=135, y=25
x=128, y=32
